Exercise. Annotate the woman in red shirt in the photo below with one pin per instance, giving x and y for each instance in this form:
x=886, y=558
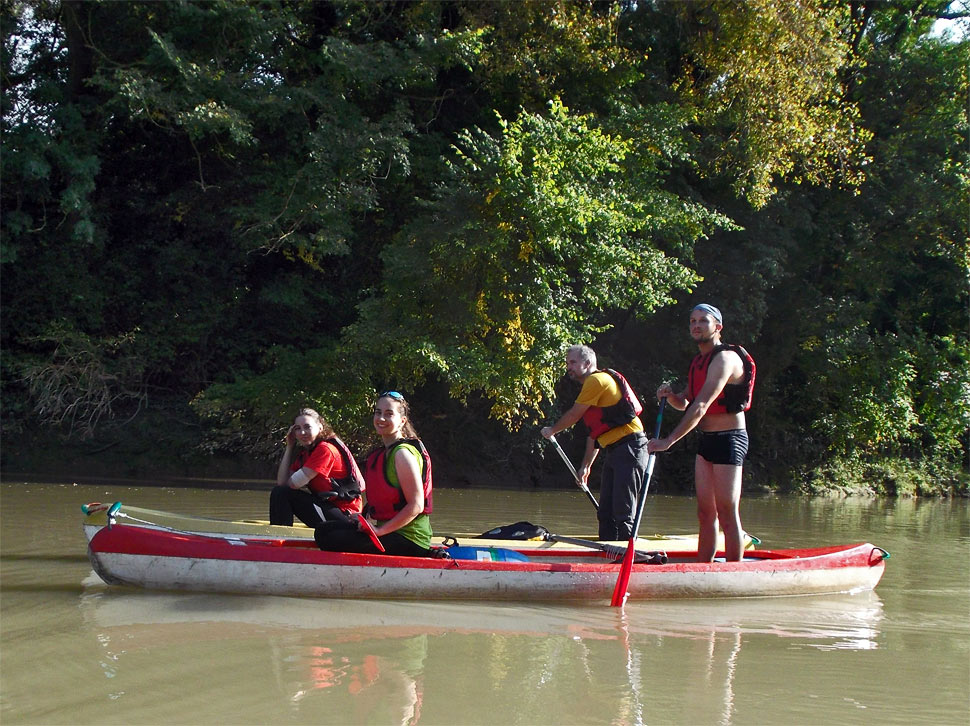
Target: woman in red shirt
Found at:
x=317, y=479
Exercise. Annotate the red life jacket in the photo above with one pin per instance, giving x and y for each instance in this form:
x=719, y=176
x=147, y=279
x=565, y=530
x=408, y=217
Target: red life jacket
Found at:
x=599, y=420
x=735, y=397
x=385, y=499
x=348, y=487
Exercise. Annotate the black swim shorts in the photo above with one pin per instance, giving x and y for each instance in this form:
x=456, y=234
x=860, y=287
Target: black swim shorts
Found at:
x=724, y=447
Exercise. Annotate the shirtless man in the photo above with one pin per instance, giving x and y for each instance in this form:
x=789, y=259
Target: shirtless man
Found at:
x=719, y=387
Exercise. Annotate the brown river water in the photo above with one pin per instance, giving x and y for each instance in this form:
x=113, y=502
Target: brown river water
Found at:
x=75, y=651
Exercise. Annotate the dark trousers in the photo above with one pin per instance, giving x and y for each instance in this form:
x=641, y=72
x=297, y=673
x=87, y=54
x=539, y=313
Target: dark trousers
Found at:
x=285, y=502
x=624, y=469
x=345, y=537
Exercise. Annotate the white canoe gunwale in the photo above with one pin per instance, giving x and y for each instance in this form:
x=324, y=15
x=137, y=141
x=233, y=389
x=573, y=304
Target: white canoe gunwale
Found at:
x=158, y=559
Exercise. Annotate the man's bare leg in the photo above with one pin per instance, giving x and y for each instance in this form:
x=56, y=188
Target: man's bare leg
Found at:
x=706, y=509
x=727, y=495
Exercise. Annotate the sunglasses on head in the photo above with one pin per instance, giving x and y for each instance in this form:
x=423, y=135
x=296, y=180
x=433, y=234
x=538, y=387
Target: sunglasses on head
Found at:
x=392, y=394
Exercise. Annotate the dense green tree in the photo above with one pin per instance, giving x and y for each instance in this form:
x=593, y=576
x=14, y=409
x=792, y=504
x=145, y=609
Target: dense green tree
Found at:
x=532, y=237
x=886, y=333
x=210, y=161
x=760, y=82
x=249, y=206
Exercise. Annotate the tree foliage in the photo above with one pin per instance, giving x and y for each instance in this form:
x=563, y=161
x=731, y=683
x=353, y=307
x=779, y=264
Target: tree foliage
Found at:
x=532, y=236
x=762, y=84
x=891, y=271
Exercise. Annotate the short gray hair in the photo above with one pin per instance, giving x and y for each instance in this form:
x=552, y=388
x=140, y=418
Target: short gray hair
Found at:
x=586, y=354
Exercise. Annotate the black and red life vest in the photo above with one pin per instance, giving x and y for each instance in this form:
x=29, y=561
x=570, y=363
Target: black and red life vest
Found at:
x=600, y=419
x=735, y=397
x=384, y=498
x=348, y=487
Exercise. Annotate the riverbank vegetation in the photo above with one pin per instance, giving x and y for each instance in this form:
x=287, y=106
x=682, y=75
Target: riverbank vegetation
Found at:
x=216, y=212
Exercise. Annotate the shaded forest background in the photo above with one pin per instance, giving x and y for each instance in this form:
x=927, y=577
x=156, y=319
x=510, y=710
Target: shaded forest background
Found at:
x=216, y=212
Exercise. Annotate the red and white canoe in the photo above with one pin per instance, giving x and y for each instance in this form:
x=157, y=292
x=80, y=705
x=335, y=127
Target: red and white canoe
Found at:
x=127, y=554
x=97, y=515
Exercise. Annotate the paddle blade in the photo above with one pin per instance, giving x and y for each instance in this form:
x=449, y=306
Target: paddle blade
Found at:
x=369, y=531
x=623, y=579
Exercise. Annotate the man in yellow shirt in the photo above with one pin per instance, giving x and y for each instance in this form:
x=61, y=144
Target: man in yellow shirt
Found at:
x=610, y=409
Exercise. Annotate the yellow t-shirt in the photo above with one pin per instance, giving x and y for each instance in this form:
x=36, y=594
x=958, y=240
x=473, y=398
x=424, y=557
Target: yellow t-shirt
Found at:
x=599, y=389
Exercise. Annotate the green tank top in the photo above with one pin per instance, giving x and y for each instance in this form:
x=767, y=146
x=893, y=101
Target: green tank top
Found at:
x=418, y=530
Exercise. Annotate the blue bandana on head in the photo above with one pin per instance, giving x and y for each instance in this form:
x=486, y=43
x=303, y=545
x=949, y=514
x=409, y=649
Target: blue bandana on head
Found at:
x=712, y=310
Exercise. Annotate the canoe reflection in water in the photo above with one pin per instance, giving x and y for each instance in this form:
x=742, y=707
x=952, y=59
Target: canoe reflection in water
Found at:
x=396, y=661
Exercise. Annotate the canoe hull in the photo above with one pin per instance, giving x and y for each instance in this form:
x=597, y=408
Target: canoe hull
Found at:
x=155, y=559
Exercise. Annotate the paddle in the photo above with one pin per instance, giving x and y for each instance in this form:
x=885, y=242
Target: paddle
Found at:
x=615, y=553
x=572, y=470
x=623, y=579
x=367, y=529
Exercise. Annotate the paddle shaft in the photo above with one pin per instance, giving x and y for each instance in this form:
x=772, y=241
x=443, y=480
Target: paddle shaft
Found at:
x=613, y=551
x=572, y=470
x=623, y=579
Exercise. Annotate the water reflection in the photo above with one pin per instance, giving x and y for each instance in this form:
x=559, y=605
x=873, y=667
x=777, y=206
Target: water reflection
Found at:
x=384, y=687
x=834, y=621
x=844, y=622
x=369, y=661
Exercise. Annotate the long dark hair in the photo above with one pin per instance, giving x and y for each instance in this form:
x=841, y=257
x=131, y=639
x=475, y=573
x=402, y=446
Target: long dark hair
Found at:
x=326, y=431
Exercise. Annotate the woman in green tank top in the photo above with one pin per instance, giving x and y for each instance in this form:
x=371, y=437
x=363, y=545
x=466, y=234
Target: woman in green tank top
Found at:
x=398, y=488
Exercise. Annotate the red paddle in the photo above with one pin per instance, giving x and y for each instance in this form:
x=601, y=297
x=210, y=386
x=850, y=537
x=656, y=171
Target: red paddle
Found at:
x=369, y=531
x=623, y=579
